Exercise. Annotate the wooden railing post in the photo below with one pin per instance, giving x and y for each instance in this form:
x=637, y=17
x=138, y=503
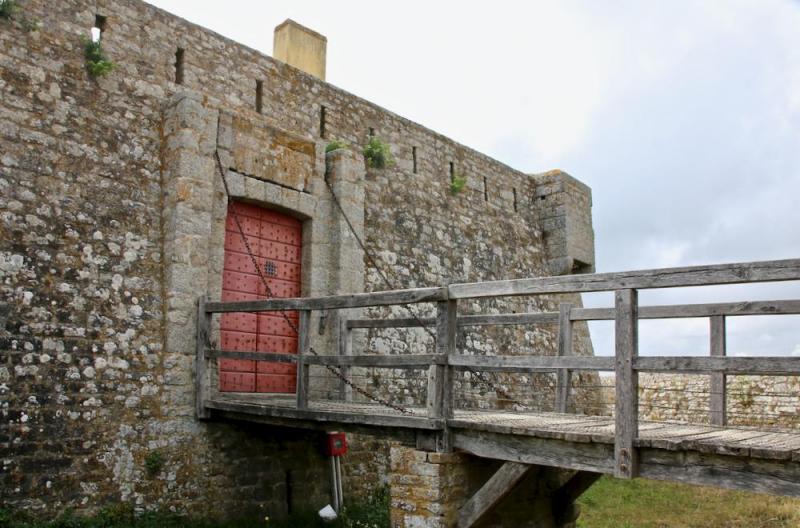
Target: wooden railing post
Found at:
x=303, y=347
x=440, y=377
x=202, y=382
x=627, y=383
x=718, y=401
x=563, y=376
x=345, y=349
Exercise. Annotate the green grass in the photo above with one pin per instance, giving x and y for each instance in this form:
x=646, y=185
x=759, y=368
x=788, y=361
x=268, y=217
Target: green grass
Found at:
x=642, y=503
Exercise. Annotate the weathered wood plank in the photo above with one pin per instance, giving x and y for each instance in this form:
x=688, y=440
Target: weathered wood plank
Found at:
x=755, y=475
x=767, y=365
x=343, y=417
x=598, y=314
x=776, y=270
x=442, y=404
x=258, y=356
x=717, y=402
x=694, y=310
x=398, y=322
x=533, y=363
x=627, y=384
x=303, y=349
x=508, y=319
x=492, y=492
x=534, y=450
x=345, y=349
x=564, y=376
x=355, y=300
x=202, y=383
x=374, y=360
x=463, y=320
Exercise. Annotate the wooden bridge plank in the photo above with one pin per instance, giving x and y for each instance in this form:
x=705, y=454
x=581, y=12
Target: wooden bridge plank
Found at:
x=303, y=349
x=678, y=311
x=626, y=410
x=364, y=414
x=258, y=356
x=564, y=376
x=202, y=382
x=394, y=361
x=518, y=363
x=534, y=450
x=355, y=300
x=742, y=473
x=773, y=365
x=767, y=271
x=717, y=403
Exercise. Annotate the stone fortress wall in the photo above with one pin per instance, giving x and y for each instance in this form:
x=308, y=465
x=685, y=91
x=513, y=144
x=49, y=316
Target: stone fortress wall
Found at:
x=112, y=221
x=751, y=400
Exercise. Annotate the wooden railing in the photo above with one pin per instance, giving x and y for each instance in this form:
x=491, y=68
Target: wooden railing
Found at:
x=626, y=313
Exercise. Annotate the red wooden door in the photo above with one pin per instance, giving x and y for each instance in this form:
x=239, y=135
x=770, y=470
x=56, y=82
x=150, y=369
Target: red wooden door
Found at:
x=275, y=240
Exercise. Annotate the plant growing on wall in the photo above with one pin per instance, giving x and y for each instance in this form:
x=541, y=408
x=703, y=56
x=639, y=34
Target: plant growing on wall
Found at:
x=153, y=463
x=378, y=154
x=457, y=184
x=335, y=145
x=8, y=8
x=97, y=64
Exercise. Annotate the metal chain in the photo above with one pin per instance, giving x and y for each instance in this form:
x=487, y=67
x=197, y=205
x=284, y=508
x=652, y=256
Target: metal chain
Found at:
x=501, y=392
x=336, y=371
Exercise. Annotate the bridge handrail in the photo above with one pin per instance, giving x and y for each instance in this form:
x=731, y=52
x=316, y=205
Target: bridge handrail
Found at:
x=719, y=274
x=626, y=363
x=672, y=311
x=710, y=275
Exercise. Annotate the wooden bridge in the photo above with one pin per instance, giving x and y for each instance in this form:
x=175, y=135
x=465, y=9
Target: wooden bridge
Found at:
x=714, y=453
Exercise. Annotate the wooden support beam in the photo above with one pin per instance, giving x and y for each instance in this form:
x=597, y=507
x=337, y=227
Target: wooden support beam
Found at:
x=345, y=349
x=575, y=487
x=627, y=384
x=564, y=376
x=496, y=488
x=718, y=382
x=440, y=377
x=303, y=349
x=202, y=382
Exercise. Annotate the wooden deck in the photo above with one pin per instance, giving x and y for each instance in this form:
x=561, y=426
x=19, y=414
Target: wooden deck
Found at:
x=753, y=459
x=732, y=457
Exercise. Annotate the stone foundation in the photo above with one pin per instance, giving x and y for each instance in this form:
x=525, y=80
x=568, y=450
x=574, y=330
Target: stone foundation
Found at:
x=429, y=489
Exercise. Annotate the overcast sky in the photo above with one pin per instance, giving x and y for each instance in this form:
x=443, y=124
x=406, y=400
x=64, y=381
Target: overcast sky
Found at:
x=683, y=117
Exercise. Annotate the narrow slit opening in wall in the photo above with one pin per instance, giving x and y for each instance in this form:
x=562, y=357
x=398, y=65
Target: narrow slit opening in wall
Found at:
x=322, y=118
x=179, y=66
x=259, y=96
x=514, y=189
x=414, y=158
x=452, y=172
x=485, y=190
x=371, y=131
x=98, y=28
x=289, y=499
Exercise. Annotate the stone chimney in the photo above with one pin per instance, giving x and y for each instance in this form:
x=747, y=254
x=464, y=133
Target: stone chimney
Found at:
x=300, y=47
